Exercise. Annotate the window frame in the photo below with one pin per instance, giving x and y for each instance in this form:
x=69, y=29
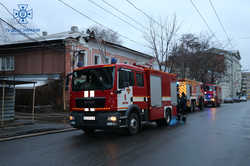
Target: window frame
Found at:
x=84, y=59
x=4, y=66
x=107, y=58
x=130, y=77
x=99, y=61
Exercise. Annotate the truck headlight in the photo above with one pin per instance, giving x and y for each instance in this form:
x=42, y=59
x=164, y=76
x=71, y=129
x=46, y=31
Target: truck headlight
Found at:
x=71, y=117
x=112, y=118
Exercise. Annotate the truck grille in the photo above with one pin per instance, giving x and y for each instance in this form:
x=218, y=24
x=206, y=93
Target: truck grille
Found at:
x=93, y=102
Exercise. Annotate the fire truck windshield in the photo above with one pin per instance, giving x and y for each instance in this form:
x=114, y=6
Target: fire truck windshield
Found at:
x=93, y=79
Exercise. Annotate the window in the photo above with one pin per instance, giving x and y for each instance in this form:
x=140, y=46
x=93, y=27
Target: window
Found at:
x=125, y=62
x=126, y=78
x=93, y=79
x=7, y=63
x=97, y=59
x=139, y=79
x=107, y=60
x=81, y=60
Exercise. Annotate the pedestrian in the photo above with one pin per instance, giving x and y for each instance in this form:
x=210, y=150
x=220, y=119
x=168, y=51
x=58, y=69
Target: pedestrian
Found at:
x=183, y=102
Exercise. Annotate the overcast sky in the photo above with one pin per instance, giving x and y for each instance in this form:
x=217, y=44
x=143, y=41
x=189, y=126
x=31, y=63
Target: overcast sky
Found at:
x=53, y=17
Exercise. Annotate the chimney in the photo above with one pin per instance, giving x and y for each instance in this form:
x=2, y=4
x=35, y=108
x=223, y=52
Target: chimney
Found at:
x=44, y=33
x=74, y=29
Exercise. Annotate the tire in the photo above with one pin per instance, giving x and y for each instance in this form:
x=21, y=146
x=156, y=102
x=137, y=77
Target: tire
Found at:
x=89, y=131
x=133, y=123
x=168, y=118
x=166, y=121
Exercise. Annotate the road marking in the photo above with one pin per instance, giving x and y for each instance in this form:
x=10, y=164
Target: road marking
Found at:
x=36, y=134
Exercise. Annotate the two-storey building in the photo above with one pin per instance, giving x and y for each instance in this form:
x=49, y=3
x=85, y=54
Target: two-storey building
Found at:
x=51, y=57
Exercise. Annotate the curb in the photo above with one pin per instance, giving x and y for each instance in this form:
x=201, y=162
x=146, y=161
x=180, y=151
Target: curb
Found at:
x=16, y=125
x=37, y=134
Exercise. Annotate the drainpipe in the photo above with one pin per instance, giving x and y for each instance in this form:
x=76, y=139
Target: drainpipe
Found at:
x=33, y=102
x=3, y=104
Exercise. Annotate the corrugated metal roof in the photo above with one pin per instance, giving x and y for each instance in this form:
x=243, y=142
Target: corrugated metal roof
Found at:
x=56, y=36
x=74, y=35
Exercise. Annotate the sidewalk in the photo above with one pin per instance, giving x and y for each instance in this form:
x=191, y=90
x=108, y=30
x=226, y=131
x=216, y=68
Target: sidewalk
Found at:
x=60, y=117
x=23, y=124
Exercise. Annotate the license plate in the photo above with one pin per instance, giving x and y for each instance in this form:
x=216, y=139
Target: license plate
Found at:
x=89, y=118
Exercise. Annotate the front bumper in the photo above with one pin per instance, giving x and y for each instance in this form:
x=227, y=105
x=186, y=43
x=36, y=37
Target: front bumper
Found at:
x=100, y=120
x=209, y=102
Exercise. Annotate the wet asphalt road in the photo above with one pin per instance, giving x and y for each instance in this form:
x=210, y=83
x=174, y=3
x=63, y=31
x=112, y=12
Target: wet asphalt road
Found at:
x=213, y=137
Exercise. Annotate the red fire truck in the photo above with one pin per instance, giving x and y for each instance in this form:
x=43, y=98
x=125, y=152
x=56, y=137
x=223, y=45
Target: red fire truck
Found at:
x=116, y=96
x=213, y=95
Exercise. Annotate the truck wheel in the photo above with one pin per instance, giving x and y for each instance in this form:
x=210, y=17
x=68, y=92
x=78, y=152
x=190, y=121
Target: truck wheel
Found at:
x=133, y=124
x=168, y=118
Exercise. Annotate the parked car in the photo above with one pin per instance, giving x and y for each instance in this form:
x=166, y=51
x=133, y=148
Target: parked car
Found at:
x=228, y=100
x=243, y=98
x=236, y=99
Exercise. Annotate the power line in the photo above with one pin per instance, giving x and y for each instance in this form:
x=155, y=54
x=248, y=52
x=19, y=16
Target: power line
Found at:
x=203, y=18
x=123, y=13
x=221, y=24
x=107, y=11
x=19, y=31
x=3, y=34
x=144, y=13
x=98, y=23
x=16, y=19
x=27, y=36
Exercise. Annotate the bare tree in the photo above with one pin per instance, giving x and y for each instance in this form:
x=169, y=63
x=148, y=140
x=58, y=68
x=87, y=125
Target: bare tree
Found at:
x=160, y=37
x=106, y=34
x=102, y=36
x=196, y=58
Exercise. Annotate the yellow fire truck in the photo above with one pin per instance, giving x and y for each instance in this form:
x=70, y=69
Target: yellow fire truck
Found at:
x=194, y=93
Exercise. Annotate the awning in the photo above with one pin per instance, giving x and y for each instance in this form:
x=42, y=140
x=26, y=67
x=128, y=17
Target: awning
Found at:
x=15, y=82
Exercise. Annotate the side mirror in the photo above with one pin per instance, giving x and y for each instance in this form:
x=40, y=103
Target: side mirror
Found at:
x=67, y=81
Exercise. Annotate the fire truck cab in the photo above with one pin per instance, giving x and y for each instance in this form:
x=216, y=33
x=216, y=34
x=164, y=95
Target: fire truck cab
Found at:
x=213, y=95
x=119, y=96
